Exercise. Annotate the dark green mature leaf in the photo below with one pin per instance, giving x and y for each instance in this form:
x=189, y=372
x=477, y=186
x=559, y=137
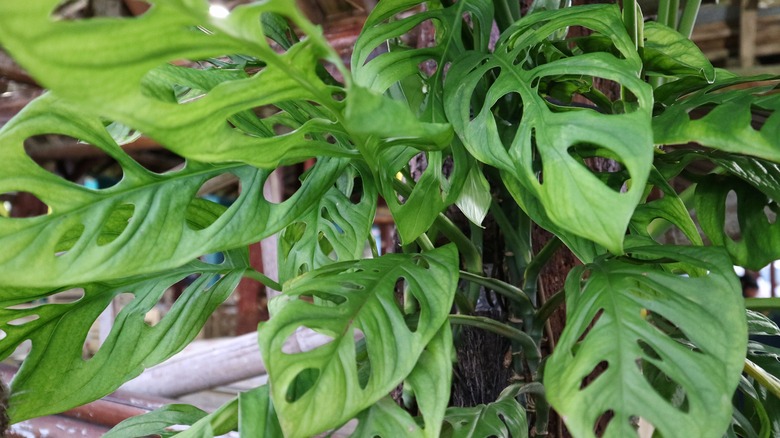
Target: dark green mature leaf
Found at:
x=574, y=200
x=759, y=324
x=758, y=242
x=667, y=52
x=157, y=422
x=322, y=385
x=504, y=418
x=336, y=229
x=256, y=414
x=691, y=329
x=55, y=377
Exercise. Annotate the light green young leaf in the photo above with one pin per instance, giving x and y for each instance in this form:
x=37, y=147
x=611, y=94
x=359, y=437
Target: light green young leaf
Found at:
x=219, y=422
x=475, y=197
x=336, y=229
x=157, y=422
x=323, y=385
x=504, y=418
x=431, y=380
x=669, y=207
x=102, y=65
x=692, y=329
x=574, y=200
x=667, y=52
x=385, y=419
x=414, y=76
x=70, y=245
x=758, y=242
x=54, y=377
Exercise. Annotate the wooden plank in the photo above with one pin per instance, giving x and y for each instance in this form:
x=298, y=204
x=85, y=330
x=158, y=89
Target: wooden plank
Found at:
x=748, y=20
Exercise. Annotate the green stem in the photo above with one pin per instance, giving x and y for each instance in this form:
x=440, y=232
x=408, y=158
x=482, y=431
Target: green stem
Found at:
x=547, y=309
x=504, y=14
x=765, y=379
x=530, y=350
x=663, y=12
x=263, y=279
x=513, y=293
x=534, y=268
x=671, y=19
x=657, y=229
x=425, y=242
x=688, y=18
x=629, y=20
x=762, y=303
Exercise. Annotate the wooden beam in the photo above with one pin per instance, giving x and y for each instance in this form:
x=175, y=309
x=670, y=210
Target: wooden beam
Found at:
x=251, y=296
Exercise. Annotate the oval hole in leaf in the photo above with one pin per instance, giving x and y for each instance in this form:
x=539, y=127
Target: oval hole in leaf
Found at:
x=115, y=224
x=603, y=421
x=770, y=211
x=23, y=320
x=65, y=297
x=362, y=360
x=68, y=239
x=89, y=165
x=25, y=204
x=700, y=111
x=209, y=204
x=731, y=225
x=305, y=339
x=666, y=387
x=92, y=340
x=324, y=296
x=597, y=371
x=601, y=163
x=68, y=10
x=301, y=384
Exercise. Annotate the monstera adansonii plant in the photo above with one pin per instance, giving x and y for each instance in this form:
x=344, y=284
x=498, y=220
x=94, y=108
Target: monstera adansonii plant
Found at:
x=508, y=112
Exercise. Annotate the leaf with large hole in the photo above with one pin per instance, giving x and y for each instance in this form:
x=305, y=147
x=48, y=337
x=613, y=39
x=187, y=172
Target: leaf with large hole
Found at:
x=624, y=310
x=150, y=216
x=759, y=241
x=574, y=199
x=505, y=417
x=78, y=61
x=336, y=395
x=742, y=120
x=55, y=377
x=345, y=225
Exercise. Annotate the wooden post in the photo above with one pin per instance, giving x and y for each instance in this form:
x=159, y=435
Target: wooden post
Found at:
x=748, y=20
x=251, y=296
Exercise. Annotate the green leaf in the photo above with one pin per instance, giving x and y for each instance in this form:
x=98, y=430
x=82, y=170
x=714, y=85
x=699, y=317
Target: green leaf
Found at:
x=256, y=414
x=157, y=422
x=322, y=385
x=217, y=423
x=503, y=418
x=431, y=380
x=542, y=154
x=336, y=229
x=692, y=329
x=758, y=242
x=667, y=52
x=102, y=64
x=54, y=377
x=163, y=209
x=759, y=324
x=475, y=197
x=669, y=207
x=385, y=419
x=731, y=120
